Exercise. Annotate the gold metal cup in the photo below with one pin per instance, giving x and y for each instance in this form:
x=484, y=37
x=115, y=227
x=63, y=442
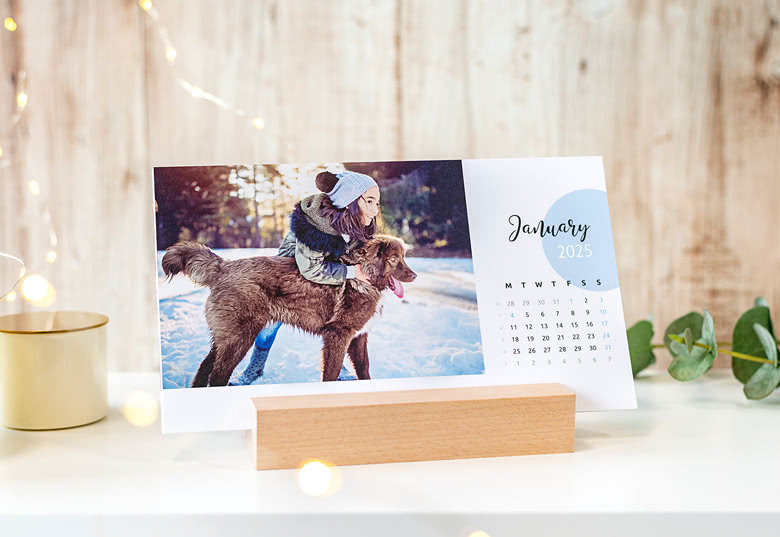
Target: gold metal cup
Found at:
x=53, y=369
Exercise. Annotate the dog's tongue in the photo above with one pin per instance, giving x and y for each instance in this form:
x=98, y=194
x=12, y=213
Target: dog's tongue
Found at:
x=398, y=289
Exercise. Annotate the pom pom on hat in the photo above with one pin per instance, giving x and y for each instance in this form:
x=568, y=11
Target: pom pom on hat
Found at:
x=326, y=181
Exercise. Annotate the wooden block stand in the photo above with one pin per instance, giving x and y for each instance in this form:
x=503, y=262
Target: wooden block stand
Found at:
x=412, y=425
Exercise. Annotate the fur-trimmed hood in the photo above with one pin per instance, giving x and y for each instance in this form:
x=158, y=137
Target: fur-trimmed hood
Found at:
x=313, y=229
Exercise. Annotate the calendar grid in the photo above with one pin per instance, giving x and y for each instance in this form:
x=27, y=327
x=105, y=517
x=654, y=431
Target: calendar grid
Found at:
x=553, y=329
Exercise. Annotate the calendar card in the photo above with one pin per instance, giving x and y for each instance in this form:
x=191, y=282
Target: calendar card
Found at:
x=546, y=277
x=287, y=279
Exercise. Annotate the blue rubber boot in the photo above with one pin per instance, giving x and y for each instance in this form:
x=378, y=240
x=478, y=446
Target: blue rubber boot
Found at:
x=255, y=368
x=263, y=343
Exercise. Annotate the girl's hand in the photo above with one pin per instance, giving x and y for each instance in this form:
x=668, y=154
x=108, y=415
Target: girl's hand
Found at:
x=360, y=275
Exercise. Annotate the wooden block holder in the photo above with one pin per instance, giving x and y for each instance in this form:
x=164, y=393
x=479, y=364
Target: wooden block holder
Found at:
x=412, y=425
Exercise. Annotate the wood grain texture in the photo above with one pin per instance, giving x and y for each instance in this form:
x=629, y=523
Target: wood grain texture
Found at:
x=413, y=425
x=681, y=98
x=83, y=140
x=14, y=230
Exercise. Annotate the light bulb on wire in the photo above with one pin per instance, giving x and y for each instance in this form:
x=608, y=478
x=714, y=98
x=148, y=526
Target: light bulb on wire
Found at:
x=38, y=291
x=171, y=54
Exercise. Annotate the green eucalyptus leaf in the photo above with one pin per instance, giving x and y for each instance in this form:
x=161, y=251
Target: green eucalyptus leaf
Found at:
x=745, y=340
x=708, y=334
x=692, y=320
x=708, y=327
x=688, y=367
x=761, y=301
x=767, y=341
x=767, y=377
x=640, y=338
x=763, y=382
x=688, y=337
x=678, y=349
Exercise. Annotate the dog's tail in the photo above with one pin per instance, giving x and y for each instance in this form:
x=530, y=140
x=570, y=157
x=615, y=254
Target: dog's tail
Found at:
x=194, y=260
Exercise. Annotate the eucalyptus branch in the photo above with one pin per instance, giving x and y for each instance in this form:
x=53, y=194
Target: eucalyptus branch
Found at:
x=691, y=342
x=662, y=346
x=739, y=355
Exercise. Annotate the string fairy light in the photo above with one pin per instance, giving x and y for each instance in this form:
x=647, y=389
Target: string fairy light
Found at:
x=10, y=295
x=22, y=99
x=34, y=287
x=186, y=85
x=34, y=187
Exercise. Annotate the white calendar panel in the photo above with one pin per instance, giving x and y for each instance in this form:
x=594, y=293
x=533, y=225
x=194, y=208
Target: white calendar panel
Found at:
x=547, y=287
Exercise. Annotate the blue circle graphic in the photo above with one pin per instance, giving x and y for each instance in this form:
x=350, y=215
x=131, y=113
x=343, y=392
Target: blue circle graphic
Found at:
x=591, y=260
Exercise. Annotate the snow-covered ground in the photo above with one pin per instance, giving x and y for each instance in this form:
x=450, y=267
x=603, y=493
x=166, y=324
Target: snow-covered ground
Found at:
x=433, y=331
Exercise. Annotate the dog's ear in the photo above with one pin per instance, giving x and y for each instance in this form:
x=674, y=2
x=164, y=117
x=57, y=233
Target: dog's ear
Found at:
x=367, y=252
x=373, y=249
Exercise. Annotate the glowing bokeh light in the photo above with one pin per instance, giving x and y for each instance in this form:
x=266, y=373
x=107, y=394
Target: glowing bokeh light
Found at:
x=140, y=409
x=318, y=478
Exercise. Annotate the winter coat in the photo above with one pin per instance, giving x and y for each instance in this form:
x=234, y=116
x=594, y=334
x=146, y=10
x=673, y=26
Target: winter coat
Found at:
x=315, y=244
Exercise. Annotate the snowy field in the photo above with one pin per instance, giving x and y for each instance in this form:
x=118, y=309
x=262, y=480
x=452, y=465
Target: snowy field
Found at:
x=433, y=331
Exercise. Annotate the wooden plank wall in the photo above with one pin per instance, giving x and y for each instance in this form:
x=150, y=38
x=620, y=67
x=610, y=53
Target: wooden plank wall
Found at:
x=681, y=97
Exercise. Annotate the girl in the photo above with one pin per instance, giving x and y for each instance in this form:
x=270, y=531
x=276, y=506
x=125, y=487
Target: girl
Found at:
x=323, y=227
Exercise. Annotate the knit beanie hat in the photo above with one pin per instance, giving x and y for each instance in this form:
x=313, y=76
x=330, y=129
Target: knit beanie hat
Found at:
x=349, y=187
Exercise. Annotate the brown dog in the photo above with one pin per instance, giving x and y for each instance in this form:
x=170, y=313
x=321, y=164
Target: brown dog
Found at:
x=248, y=293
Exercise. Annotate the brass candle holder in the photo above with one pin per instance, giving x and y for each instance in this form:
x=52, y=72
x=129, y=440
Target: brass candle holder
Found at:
x=53, y=369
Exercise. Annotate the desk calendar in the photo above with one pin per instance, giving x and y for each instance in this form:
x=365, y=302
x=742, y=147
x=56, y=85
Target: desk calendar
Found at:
x=507, y=276
x=546, y=277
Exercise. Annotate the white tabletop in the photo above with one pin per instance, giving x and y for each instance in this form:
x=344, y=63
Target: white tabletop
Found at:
x=695, y=456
